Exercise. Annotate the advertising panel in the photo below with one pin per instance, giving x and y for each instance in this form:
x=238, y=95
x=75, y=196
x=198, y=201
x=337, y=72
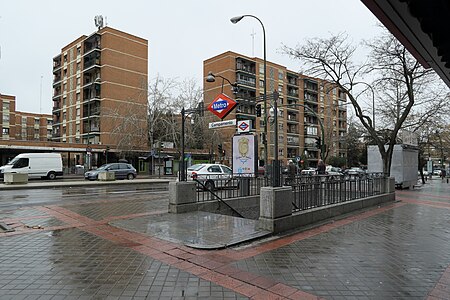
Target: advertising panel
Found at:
x=244, y=154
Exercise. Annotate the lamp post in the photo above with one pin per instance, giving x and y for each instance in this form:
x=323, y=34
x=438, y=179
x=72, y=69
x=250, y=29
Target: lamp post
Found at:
x=212, y=78
x=184, y=113
x=276, y=164
x=234, y=20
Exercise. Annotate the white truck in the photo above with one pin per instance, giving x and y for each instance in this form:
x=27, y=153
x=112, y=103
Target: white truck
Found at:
x=404, y=165
x=36, y=165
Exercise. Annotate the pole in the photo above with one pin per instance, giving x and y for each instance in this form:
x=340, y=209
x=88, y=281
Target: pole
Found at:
x=266, y=152
x=182, y=168
x=275, y=167
x=320, y=124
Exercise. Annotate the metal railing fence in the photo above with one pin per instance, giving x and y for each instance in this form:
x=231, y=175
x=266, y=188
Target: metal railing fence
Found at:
x=227, y=187
x=322, y=190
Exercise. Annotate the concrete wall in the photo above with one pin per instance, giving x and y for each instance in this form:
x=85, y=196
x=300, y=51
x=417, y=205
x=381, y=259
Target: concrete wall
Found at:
x=273, y=208
x=289, y=222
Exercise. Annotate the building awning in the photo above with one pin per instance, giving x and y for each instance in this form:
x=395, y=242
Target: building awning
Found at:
x=422, y=26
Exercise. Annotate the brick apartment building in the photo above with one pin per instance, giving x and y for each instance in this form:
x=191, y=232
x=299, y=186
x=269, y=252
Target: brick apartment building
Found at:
x=298, y=128
x=23, y=126
x=100, y=84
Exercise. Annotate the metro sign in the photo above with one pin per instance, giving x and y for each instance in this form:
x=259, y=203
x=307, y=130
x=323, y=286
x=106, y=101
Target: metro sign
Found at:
x=222, y=105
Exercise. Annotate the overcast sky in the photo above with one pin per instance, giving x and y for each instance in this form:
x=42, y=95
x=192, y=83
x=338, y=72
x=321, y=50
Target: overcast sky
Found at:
x=181, y=34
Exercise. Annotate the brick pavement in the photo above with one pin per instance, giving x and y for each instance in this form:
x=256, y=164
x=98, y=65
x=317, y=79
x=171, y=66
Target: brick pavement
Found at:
x=399, y=251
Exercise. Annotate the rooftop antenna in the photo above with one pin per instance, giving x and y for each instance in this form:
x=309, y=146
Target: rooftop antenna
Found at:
x=253, y=41
x=98, y=20
x=40, y=98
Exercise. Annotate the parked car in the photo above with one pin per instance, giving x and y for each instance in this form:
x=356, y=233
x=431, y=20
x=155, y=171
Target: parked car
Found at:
x=36, y=165
x=333, y=171
x=355, y=171
x=437, y=172
x=212, y=176
x=121, y=171
x=309, y=171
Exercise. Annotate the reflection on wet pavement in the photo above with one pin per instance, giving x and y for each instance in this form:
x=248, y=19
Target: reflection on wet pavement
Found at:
x=195, y=229
x=399, y=253
x=74, y=264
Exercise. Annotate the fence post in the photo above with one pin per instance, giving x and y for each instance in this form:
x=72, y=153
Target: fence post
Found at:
x=182, y=196
x=275, y=203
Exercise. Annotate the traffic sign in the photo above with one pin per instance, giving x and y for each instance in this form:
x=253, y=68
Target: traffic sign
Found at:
x=243, y=126
x=222, y=105
x=222, y=123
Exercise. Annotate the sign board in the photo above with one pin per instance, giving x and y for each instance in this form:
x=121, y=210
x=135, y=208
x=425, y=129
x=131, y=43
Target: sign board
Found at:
x=298, y=158
x=244, y=154
x=243, y=126
x=222, y=105
x=213, y=125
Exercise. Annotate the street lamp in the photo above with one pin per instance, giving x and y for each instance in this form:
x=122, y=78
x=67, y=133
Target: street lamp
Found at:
x=234, y=20
x=212, y=78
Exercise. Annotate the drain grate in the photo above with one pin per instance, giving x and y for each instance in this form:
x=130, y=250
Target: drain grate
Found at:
x=5, y=228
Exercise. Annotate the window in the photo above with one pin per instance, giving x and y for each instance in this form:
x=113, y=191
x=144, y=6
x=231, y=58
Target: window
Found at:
x=21, y=163
x=5, y=106
x=280, y=88
x=261, y=69
x=78, y=50
x=280, y=75
x=5, y=131
x=5, y=118
x=78, y=112
x=36, y=122
x=214, y=169
x=261, y=83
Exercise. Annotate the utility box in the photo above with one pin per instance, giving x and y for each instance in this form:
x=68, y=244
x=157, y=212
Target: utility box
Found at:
x=404, y=165
x=15, y=178
x=106, y=176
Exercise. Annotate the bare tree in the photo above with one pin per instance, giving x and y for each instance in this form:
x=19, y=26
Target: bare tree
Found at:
x=391, y=66
x=160, y=104
x=128, y=121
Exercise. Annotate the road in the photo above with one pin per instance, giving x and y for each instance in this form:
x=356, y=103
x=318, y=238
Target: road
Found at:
x=13, y=199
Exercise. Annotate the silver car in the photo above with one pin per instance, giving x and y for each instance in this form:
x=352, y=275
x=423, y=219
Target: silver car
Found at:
x=121, y=171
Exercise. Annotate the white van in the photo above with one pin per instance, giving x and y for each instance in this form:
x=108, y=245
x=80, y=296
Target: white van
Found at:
x=36, y=165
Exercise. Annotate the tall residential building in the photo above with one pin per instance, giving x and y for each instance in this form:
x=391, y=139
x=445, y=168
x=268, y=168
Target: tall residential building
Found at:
x=299, y=128
x=23, y=126
x=100, y=84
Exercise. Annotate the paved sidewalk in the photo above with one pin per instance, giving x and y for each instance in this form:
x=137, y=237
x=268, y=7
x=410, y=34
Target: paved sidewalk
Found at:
x=110, y=250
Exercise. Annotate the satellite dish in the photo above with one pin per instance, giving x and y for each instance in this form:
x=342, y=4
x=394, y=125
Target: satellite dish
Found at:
x=98, y=21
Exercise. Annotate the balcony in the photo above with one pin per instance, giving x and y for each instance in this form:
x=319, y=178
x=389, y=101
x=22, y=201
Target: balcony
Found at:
x=292, y=92
x=309, y=97
x=92, y=43
x=311, y=85
x=292, y=80
x=311, y=111
x=57, y=63
x=292, y=118
x=246, y=80
x=245, y=66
